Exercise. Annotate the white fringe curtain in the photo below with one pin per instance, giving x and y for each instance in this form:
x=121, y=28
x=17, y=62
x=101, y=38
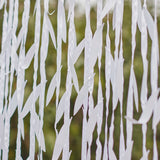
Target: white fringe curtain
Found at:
x=15, y=59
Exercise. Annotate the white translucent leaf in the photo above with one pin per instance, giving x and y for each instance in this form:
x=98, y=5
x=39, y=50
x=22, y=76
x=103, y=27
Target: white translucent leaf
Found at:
x=51, y=88
x=1, y=4
x=128, y=153
x=74, y=76
x=51, y=31
x=91, y=123
x=80, y=97
x=108, y=7
x=145, y=156
x=60, y=140
x=61, y=107
x=149, y=22
x=13, y=104
x=29, y=57
x=148, y=108
x=95, y=46
x=42, y=141
x=78, y=51
x=112, y=154
x=31, y=100
x=38, y=131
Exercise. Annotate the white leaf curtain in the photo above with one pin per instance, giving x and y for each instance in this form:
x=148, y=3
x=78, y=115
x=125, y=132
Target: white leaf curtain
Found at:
x=99, y=93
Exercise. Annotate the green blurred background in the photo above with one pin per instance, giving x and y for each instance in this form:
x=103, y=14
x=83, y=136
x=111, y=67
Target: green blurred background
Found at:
x=76, y=124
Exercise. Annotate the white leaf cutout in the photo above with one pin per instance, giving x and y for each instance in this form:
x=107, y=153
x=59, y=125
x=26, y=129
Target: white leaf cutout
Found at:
x=51, y=89
x=80, y=97
x=128, y=152
x=61, y=107
x=108, y=7
x=95, y=46
x=31, y=100
x=91, y=122
x=149, y=22
x=29, y=57
x=60, y=140
x=13, y=104
x=74, y=76
x=51, y=31
x=78, y=51
x=148, y=108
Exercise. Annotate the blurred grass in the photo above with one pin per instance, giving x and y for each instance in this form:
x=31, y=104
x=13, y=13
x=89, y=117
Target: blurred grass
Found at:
x=76, y=125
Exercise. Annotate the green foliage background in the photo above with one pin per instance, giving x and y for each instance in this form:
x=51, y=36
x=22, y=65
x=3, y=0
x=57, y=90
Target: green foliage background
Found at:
x=76, y=124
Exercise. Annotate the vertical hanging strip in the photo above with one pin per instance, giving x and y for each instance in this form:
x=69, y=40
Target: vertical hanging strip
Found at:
x=20, y=76
x=2, y=73
x=154, y=78
x=61, y=35
x=117, y=76
x=88, y=37
x=144, y=91
x=46, y=30
x=62, y=138
x=132, y=91
x=70, y=76
x=36, y=49
x=108, y=63
x=11, y=44
x=100, y=96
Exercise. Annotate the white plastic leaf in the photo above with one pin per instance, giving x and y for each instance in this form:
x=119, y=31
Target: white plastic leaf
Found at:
x=74, y=75
x=1, y=4
x=78, y=51
x=60, y=140
x=42, y=141
x=38, y=131
x=91, y=122
x=29, y=57
x=108, y=7
x=148, y=108
x=145, y=156
x=13, y=104
x=112, y=154
x=149, y=22
x=80, y=97
x=95, y=46
x=51, y=31
x=51, y=88
x=31, y=100
x=61, y=107
x=128, y=152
